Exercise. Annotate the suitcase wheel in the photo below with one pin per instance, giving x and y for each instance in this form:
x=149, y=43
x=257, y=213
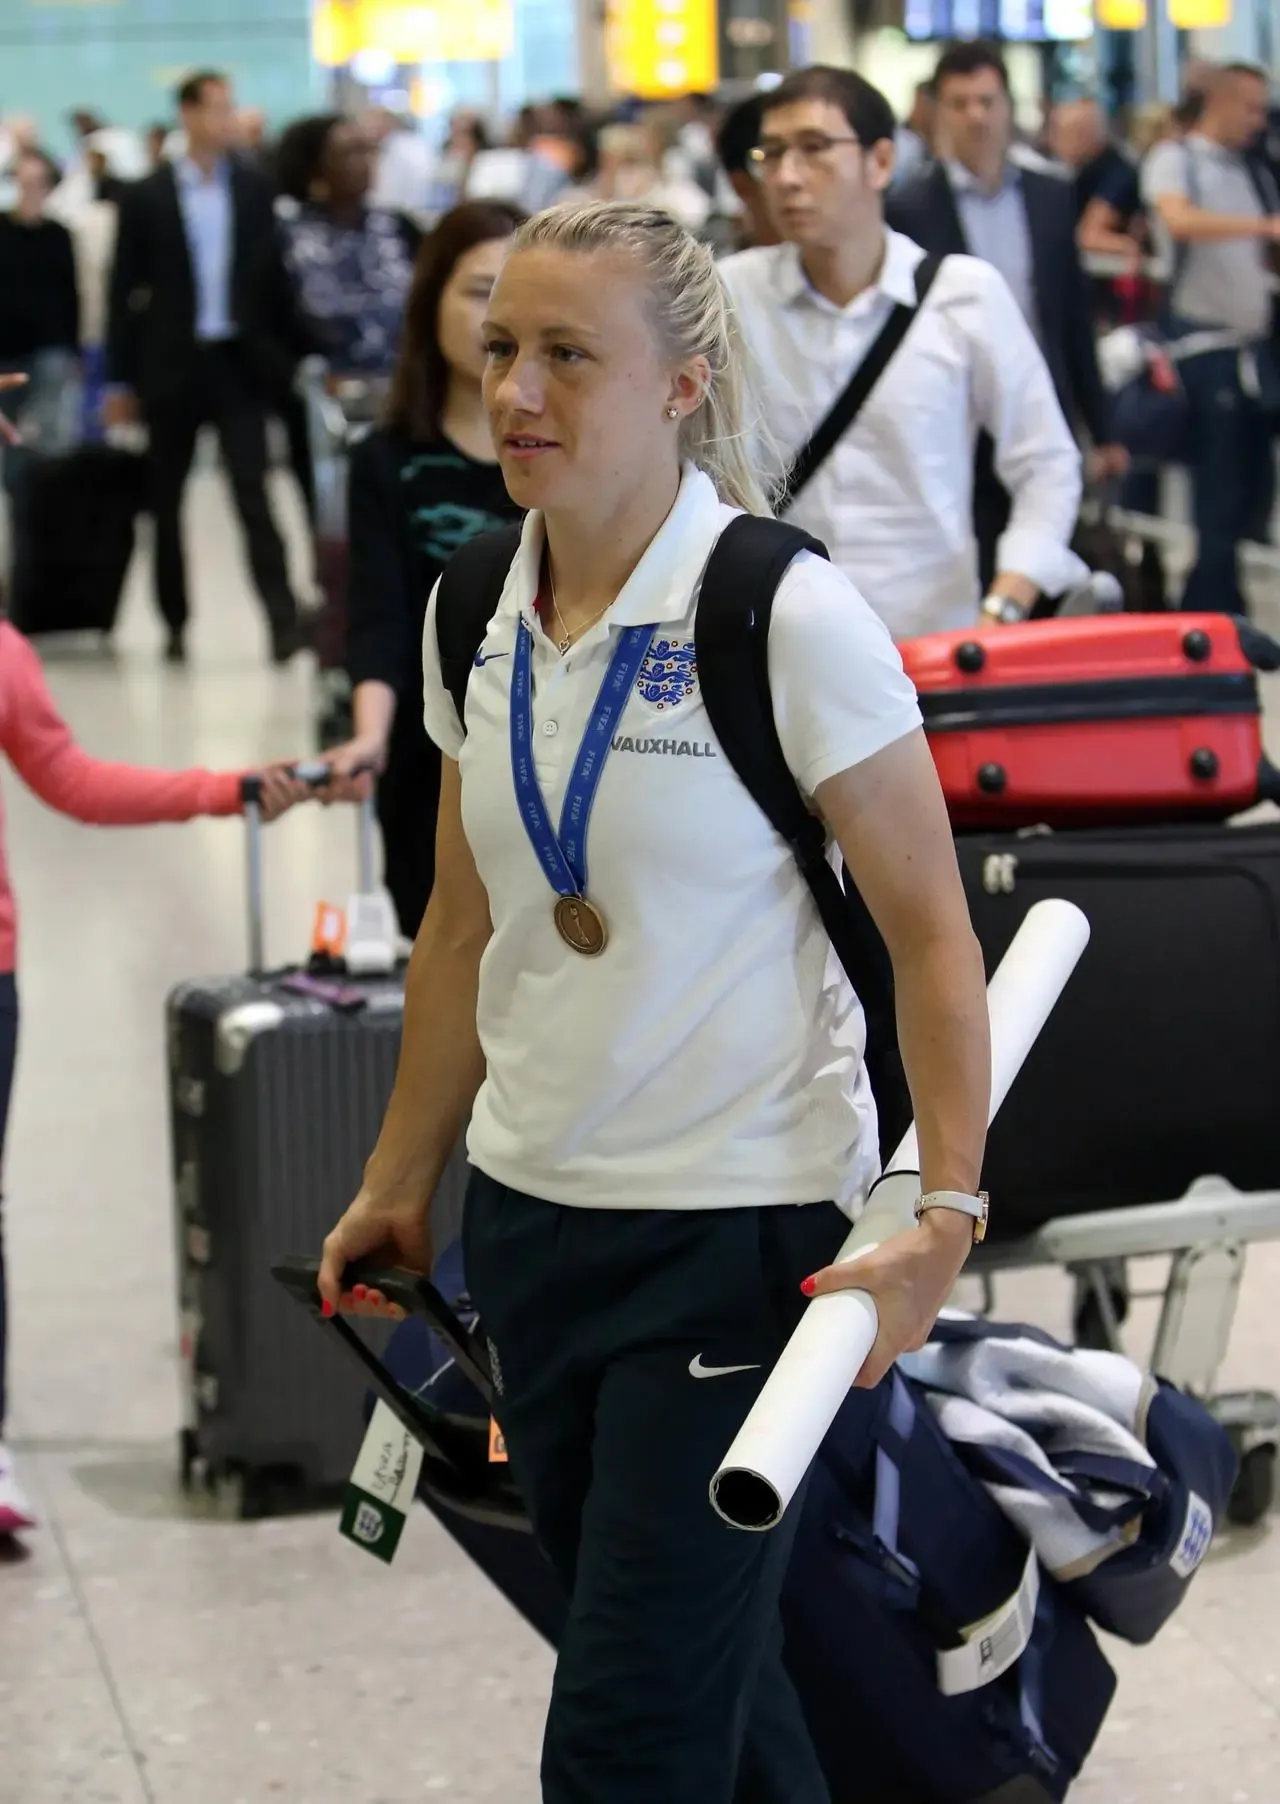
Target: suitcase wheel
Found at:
x=188, y=1458
x=282, y=1490
x=193, y=1468
x=1255, y=1486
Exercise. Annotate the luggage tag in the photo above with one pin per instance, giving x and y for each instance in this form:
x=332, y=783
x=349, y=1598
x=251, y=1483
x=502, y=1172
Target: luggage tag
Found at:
x=329, y=932
x=995, y=1643
x=371, y=933
x=382, y=1486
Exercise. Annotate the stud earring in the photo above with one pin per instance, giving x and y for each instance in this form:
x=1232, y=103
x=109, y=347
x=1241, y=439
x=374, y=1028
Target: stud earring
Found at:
x=673, y=413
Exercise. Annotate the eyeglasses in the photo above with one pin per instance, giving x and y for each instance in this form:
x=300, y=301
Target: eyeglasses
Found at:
x=812, y=148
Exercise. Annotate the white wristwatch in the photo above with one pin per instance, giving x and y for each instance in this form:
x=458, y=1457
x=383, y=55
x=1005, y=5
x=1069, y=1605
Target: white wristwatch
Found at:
x=975, y=1206
x=1003, y=610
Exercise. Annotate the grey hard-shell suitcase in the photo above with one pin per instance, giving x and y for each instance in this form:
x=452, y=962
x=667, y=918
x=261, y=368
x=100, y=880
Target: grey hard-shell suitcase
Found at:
x=276, y=1100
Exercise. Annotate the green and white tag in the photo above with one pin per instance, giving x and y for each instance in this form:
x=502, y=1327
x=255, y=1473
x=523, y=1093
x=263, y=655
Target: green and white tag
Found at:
x=382, y=1486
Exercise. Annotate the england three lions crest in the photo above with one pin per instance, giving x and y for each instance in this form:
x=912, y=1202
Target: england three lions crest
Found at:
x=669, y=673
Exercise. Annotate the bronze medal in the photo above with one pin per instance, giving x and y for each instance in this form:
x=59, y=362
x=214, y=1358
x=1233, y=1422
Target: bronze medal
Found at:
x=581, y=925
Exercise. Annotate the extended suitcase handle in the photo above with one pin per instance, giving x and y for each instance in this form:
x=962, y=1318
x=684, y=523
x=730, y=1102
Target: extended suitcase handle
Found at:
x=456, y=1467
x=415, y=1294
x=317, y=774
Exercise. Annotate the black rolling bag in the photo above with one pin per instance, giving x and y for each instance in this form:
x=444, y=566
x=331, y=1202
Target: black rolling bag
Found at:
x=1161, y=1062
x=80, y=514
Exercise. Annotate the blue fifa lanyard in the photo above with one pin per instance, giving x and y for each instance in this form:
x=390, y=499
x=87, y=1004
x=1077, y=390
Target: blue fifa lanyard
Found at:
x=563, y=856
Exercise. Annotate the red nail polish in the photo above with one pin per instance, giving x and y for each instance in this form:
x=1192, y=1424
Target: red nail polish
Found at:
x=360, y=1292
x=809, y=1286
x=326, y=1308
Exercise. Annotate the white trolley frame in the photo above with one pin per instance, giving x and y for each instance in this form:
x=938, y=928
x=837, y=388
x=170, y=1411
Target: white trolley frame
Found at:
x=1205, y=1234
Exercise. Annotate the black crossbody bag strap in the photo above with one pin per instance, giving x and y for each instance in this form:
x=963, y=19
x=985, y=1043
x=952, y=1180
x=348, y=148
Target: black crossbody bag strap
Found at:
x=470, y=590
x=849, y=403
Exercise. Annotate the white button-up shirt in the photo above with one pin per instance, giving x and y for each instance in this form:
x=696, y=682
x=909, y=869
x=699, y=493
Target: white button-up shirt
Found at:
x=712, y=1057
x=209, y=217
x=893, y=502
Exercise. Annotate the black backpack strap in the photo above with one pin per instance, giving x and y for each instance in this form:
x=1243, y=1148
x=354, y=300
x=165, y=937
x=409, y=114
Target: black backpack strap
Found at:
x=470, y=590
x=849, y=403
x=731, y=643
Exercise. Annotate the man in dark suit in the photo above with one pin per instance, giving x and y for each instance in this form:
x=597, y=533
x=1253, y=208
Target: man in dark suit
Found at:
x=980, y=199
x=200, y=332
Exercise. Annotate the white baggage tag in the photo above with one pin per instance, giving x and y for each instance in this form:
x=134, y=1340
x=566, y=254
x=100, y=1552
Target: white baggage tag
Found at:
x=382, y=1486
x=991, y=1646
x=371, y=934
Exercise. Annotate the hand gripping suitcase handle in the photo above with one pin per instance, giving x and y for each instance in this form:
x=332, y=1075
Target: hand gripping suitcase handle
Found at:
x=316, y=773
x=415, y=1294
x=457, y=1469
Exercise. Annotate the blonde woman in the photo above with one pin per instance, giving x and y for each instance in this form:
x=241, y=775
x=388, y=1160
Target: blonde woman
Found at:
x=670, y=1124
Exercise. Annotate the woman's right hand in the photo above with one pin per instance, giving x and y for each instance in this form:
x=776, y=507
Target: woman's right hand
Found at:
x=354, y=766
x=389, y=1234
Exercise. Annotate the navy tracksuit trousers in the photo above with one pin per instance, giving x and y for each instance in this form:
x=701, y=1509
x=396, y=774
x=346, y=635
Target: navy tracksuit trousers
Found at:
x=611, y=1333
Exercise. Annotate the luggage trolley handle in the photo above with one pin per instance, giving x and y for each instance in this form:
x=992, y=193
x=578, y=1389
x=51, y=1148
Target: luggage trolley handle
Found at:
x=316, y=773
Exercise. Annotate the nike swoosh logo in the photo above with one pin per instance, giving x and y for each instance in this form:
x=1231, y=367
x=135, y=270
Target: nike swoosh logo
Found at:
x=487, y=657
x=698, y=1370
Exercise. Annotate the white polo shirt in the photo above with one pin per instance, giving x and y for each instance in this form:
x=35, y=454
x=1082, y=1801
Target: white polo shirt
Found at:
x=893, y=503
x=712, y=1055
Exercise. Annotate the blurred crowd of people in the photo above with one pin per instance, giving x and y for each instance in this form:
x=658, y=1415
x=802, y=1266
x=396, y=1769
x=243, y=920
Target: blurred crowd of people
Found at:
x=179, y=278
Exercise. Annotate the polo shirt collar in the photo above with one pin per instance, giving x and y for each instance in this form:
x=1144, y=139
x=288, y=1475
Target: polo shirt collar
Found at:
x=660, y=586
x=896, y=279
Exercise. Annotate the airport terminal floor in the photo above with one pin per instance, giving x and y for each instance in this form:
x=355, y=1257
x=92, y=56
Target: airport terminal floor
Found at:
x=152, y=1651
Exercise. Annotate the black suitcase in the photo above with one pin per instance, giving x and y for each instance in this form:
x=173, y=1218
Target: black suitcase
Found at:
x=275, y=1102
x=81, y=510
x=1161, y=1062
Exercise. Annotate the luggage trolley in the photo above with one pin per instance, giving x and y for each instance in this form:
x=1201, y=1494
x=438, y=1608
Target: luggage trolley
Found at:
x=1205, y=1234
x=340, y=411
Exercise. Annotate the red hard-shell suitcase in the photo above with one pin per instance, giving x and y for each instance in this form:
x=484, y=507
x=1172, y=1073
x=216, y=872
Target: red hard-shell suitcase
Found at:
x=1120, y=718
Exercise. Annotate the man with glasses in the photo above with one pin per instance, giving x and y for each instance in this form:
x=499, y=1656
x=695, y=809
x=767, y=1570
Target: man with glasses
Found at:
x=893, y=498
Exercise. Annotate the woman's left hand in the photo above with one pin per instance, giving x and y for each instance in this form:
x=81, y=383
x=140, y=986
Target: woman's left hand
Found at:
x=909, y=1277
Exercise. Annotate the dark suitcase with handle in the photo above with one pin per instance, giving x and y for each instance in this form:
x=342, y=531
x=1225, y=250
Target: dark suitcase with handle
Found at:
x=275, y=1100
x=80, y=513
x=1161, y=1063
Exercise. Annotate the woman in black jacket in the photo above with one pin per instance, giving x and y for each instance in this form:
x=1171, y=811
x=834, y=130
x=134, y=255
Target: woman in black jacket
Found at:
x=421, y=485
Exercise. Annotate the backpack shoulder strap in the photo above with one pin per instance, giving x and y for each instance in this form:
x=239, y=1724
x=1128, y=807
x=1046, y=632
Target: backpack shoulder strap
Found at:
x=470, y=590
x=731, y=644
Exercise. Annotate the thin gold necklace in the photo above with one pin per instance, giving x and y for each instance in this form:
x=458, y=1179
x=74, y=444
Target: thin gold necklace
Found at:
x=567, y=638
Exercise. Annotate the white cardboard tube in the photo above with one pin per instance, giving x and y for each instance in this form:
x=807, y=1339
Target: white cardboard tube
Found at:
x=785, y=1427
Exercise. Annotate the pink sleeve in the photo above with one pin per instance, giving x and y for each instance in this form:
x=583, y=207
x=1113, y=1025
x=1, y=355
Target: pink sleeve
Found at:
x=41, y=747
